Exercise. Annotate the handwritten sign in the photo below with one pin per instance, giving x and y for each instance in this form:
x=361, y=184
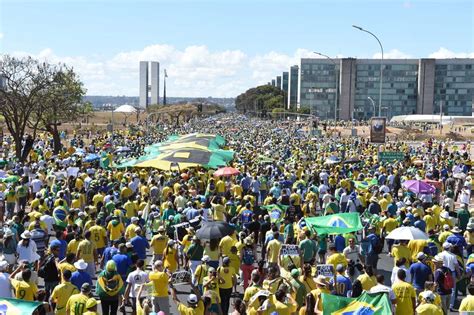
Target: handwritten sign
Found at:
x=325, y=270
x=289, y=250
x=181, y=277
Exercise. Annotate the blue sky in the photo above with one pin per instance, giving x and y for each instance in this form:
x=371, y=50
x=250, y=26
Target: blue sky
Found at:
x=221, y=48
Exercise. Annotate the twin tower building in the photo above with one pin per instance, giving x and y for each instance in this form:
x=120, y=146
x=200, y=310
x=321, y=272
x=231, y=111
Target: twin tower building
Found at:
x=149, y=83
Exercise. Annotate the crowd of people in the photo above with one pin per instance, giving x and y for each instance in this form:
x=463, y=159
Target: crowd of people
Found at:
x=124, y=237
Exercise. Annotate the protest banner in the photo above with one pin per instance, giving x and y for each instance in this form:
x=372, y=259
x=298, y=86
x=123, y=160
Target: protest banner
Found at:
x=325, y=270
x=289, y=250
x=181, y=277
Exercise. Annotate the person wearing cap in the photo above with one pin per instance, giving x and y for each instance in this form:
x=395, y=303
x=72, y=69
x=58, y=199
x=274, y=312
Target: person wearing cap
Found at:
x=428, y=307
x=91, y=307
x=9, y=246
x=405, y=294
x=456, y=239
x=194, y=304
x=76, y=305
x=109, y=288
x=211, y=285
x=5, y=284
x=227, y=274
x=200, y=273
x=467, y=303
x=159, y=279
x=140, y=243
x=62, y=292
x=80, y=276
x=420, y=273
x=440, y=273
x=87, y=251
x=130, y=230
x=159, y=243
x=194, y=255
x=187, y=239
x=322, y=286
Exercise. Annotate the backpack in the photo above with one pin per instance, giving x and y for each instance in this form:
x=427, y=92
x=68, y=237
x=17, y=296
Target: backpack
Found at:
x=448, y=281
x=378, y=246
x=248, y=258
x=431, y=249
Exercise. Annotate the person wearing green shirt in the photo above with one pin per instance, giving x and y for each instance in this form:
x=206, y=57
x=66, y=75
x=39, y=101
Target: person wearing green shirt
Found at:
x=289, y=232
x=22, y=196
x=298, y=287
x=463, y=215
x=308, y=248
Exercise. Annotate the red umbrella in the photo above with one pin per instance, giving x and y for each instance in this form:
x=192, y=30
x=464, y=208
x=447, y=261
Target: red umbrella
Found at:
x=226, y=171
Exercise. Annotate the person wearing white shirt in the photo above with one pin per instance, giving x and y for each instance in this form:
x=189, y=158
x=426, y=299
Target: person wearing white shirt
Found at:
x=5, y=283
x=36, y=185
x=134, y=280
x=27, y=249
x=465, y=196
x=49, y=221
x=449, y=259
x=400, y=264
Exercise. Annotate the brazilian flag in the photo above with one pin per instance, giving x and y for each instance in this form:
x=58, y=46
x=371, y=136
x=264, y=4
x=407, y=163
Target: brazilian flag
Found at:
x=17, y=306
x=365, y=304
x=276, y=212
x=335, y=223
x=184, y=158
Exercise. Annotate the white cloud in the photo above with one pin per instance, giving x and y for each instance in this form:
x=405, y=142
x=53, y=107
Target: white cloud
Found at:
x=392, y=54
x=446, y=53
x=194, y=70
x=1, y=35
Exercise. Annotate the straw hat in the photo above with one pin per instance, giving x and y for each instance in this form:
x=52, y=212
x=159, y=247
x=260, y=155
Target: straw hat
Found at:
x=80, y=264
x=321, y=280
x=26, y=235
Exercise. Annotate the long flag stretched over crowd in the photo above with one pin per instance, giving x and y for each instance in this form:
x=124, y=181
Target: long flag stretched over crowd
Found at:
x=16, y=306
x=335, y=223
x=366, y=303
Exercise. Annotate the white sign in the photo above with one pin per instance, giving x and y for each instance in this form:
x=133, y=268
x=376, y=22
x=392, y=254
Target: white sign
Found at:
x=289, y=250
x=325, y=270
x=181, y=277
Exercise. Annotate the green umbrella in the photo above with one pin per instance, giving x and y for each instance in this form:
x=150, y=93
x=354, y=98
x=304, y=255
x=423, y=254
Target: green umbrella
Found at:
x=10, y=179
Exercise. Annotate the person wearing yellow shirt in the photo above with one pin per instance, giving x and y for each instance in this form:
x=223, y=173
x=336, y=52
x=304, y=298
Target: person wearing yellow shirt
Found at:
x=73, y=244
x=273, y=250
x=38, y=224
x=131, y=209
x=405, y=294
x=388, y=225
x=24, y=289
x=62, y=292
x=220, y=186
x=76, y=305
x=86, y=250
x=429, y=220
x=67, y=263
x=227, y=274
x=159, y=243
x=97, y=198
x=159, y=280
x=98, y=236
x=211, y=285
x=125, y=193
x=130, y=230
x=444, y=219
x=91, y=307
x=322, y=287
x=226, y=243
x=237, y=191
x=401, y=250
x=195, y=305
x=367, y=279
x=201, y=272
x=415, y=247
x=336, y=258
x=218, y=209
x=467, y=304
x=115, y=229
x=445, y=234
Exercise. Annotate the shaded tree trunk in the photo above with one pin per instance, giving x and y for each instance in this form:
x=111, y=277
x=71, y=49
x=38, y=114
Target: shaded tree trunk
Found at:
x=27, y=148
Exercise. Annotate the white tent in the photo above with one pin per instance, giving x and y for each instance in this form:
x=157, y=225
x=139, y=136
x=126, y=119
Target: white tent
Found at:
x=126, y=109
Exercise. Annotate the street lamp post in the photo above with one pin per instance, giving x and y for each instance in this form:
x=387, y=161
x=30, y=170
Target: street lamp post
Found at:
x=381, y=65
x=373, y=103
x=337, y=81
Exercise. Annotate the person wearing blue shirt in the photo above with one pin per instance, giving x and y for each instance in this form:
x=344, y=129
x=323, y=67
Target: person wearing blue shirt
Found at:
x=419, y=223
x=122, y=261
x=456, y=239
x=109, y=252
x=343, y=283
x=61, y=243
x=372, y=254
x=140, y=244
x=420, y=273
x=81, y=276
x=246, y=215
x=340, y=243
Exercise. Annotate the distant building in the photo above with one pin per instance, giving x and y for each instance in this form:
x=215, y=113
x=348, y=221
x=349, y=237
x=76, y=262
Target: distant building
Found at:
x=278, y=81
x=154, y=87
x=273, y=82
x=410, y=86
x=293, y=87
x=284, y=86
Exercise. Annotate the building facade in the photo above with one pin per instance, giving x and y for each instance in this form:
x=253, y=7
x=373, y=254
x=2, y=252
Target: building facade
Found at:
x=278, y=81
x=349, y=88
x=293, y=87
x=152, y=77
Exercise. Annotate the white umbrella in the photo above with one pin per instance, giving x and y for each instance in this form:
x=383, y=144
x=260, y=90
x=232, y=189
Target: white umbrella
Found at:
x=407, y=233
x=459, y=175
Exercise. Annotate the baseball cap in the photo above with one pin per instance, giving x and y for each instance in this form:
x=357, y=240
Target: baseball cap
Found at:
x=192, y=299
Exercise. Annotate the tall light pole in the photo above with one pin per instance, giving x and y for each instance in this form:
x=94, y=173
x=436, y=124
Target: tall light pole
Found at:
x=381, y=65
x=373, y=103
x=337, y=81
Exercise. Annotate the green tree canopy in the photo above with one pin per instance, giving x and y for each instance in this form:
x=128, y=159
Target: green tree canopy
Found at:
x=264, y=97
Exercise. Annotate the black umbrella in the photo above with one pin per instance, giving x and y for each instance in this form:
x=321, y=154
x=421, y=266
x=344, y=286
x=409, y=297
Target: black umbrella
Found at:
x=352, y=160
x=213, y=230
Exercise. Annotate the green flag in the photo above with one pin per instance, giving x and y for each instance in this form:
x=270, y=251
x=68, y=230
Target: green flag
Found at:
x=16, y=306
x=276, y=212
x=366, y=304
x=335, y=223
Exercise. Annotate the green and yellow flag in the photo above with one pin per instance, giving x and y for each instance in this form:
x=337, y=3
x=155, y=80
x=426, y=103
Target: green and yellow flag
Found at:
x=366, y=304
x=16, y=306
x=276, y=212
x=335, y=223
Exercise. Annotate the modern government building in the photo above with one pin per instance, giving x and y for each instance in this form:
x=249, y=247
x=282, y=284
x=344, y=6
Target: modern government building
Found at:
x=350, y=87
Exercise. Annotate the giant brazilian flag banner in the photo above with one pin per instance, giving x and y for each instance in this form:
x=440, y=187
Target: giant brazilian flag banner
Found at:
x=16, y=306
x=335, y=223
x=366, y=304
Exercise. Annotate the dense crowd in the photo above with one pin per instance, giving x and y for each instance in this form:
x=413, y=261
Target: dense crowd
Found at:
x=124, y=239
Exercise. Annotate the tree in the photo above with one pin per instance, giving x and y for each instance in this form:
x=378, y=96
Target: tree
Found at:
x=87, y=111
x=26, y=82
x=61, y=103
x=264, y=97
